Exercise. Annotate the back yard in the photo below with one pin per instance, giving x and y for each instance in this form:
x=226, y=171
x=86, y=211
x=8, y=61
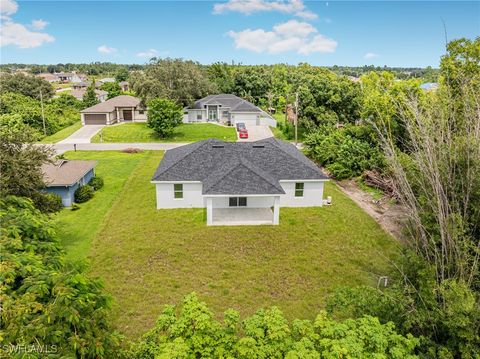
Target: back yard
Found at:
x=150, y=257
x=139, y=132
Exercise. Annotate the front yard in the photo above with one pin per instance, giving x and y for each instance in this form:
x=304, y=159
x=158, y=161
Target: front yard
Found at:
x=150, y=257
x=139, y=132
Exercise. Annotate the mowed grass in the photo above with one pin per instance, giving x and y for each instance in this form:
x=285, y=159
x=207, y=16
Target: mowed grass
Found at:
x=139, y=132
x=62, y=134
x=149, y=257
x=77, y=228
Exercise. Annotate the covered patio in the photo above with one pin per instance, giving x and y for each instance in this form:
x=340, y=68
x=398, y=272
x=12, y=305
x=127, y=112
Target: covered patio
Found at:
x=263, y=210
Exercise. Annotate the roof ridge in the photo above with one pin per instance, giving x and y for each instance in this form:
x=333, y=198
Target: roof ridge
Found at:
x=276, y=143
x=230, y=169
x=260, y=173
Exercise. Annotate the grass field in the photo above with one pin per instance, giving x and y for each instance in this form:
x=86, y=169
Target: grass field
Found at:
x=150, y=257
x=139, y=132
x=62, y=134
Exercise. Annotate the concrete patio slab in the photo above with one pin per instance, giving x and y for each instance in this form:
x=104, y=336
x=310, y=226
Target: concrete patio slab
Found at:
x=242, y=216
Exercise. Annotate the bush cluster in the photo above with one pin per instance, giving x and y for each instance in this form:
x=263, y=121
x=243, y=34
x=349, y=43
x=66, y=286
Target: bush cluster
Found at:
x=47, y=202
x=84, y=193
x=96, y=183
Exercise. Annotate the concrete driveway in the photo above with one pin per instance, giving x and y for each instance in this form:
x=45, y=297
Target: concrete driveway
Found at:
x=83, y=135
x=256, y=133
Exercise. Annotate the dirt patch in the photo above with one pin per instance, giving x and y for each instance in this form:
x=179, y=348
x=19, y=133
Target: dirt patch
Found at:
x=384, y=211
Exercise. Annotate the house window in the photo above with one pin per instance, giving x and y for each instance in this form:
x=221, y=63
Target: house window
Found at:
x=299, y=189
x=140, y=112
x=178, y=190
x=237, y=202
x=199, y=115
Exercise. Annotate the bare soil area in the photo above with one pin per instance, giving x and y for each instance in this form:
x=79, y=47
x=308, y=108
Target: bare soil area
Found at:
x=386, y=212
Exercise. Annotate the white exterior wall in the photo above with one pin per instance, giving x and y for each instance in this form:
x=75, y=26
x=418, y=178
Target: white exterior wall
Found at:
x=248, y=118
x=253, y=202
x=192, y=196
x=192, y=115
x=140, y=117
x=312, y=194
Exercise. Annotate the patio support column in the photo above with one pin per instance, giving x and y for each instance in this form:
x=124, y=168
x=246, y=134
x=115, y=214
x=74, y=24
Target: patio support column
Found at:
x=276, y=210
x=209, y=211
x=133, y=114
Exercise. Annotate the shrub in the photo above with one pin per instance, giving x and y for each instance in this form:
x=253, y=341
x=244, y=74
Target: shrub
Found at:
x=75, y=207
x=47, y=202
x=83, y=194
x=96, y=183
x=163, y=116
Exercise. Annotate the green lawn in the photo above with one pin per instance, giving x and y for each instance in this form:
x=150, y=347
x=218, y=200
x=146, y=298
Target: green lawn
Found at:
x=290, y=135
x=78, y=228
x=62, y=134
x=150, y=257
x=139, y=132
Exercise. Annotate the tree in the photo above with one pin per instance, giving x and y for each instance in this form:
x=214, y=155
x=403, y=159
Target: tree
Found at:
x=30, y=86
x=175, y=79
x=46, y=300
x=191, y=332
x=20, y=160
x=121, y=75
x=113, y=89
x=163, y=116
x=90, y=97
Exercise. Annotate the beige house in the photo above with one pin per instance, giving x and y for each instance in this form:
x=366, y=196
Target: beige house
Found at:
x=122, y=108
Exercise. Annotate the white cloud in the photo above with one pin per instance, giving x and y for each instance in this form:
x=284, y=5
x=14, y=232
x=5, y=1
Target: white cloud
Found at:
x=7, y=8
x=295, y=7
x=16, y=34
x=39, y=24
x=370, y=55
x=292, y=35
x=104, y=49
x=149, y=53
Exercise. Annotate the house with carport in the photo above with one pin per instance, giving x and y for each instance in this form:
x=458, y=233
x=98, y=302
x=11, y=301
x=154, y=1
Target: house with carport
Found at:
x=239, y=183
x=123, y=108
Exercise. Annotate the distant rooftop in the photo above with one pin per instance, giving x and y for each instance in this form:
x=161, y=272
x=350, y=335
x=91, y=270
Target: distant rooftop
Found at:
x=66, y=172
x=110, y=105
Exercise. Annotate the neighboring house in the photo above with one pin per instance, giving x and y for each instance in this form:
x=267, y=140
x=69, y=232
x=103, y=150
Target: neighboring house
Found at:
x=85, y=84
x=124, y=85
x=49, y=77
x=64, y=76
x=122, y=108
x=107, y=79
x=227, y=109
x=64, y=177
x=76, y=78
x=238, y=182
x=78, y=94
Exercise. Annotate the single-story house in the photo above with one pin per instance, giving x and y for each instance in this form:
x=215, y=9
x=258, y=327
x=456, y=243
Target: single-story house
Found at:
x=124, y=85
x=49, y=77
x=63, y=177
x=123, y=108
x=238, y=182
x=65, y=76
x=227, y=109
x=78, y=94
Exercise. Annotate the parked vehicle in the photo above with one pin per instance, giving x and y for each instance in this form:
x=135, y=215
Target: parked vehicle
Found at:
x=243, y=133
x=241, y=126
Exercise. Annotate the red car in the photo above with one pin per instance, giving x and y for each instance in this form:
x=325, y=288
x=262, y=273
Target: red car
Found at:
x=243, y=133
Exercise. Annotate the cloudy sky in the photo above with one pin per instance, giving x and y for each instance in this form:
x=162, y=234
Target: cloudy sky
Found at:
x=247, y=31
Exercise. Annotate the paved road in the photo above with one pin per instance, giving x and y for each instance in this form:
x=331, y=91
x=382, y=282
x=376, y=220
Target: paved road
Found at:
x=63, y=147
x=256, y=133
x=82, y=135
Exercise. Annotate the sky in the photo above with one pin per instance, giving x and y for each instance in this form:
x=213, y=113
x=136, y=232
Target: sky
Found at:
x=324, y=33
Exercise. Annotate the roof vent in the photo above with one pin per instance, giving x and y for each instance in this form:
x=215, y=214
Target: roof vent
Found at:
x=218, y=146
x=61, y=163
x=258, y=146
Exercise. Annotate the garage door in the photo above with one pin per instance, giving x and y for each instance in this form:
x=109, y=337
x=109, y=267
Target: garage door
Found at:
x=95, y=119
x=248, y=120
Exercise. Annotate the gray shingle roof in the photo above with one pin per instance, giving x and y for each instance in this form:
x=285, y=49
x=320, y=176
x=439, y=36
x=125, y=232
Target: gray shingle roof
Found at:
x=110, y=105
x=237, y=167
x=235, y=103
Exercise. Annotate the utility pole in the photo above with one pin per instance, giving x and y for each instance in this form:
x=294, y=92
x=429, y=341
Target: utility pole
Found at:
x=296, y=119
x=43, y=113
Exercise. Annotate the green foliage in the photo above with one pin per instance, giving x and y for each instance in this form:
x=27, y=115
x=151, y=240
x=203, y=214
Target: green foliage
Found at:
x=113, y=89
x=346, y=152
x=96, y=182
x=445, y=315
x=20, y=161
x=163, y=116
x=46, y=302
x=121, y=74
x=90, y=97
x=175, y=79
x=83, y=193
x=47, y=202
x=30, y=86
x=191, y=331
